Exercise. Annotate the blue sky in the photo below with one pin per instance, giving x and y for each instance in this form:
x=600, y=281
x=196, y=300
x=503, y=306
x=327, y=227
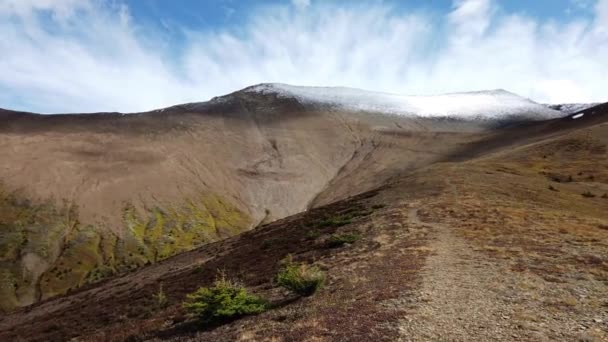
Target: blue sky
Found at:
x=113, y=55
x=211, y=14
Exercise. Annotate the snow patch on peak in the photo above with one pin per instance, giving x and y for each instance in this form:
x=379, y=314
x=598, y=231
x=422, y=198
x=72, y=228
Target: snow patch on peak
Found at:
x=487, y=105
x=571, y=108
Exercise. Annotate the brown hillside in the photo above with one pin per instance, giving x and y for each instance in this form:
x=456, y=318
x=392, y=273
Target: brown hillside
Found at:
x=86, y=196
x=500, y=236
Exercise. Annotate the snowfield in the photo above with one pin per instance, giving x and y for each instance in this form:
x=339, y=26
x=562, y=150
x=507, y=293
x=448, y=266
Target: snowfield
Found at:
x=485, y=105
x=571, y=108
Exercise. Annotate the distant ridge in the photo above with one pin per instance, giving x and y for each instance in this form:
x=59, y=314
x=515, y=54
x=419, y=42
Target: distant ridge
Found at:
x=485, y=105
x=571, y=108
x=478, y=105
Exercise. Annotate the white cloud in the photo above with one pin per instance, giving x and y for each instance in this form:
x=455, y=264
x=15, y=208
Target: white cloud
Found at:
x=471, y=17
x=93, y=56
x=601, y=9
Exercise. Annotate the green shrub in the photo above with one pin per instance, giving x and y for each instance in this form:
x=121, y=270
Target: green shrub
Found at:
x=160, y=298
x=336, y=221
x=338, y=240
x=344, y=218
x=225, y=301
x=300, y=278
x=313, y=234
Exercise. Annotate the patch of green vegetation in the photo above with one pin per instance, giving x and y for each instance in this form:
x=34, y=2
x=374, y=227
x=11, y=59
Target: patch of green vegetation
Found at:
x=46, y=251
x=336, y=221
x=30, y=234
x=313, y=234
x=8, y=297
x=300, y=278
x=343, y=219
x=338, y=240
x=160, y=298
x=224, y=301
x=107, y=247
x=79, y=257
x=160, y=233
x=13, y=240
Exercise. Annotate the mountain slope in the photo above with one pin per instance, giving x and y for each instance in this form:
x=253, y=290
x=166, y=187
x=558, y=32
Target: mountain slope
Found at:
x=500, y=241
x=87, y=196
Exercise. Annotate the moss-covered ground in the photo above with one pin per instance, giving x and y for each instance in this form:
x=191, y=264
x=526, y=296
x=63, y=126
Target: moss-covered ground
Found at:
x=46, y=251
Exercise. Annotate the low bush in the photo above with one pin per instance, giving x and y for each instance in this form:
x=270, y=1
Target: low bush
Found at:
x=344, y=218
x=313, y=234
x=300, y=278
x=224, y=301
x=160, y=298
x=338, y=240
x=336, y=221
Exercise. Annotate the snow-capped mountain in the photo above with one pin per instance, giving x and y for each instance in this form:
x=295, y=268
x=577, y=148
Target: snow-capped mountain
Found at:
x=571, y=108
x=486, y=105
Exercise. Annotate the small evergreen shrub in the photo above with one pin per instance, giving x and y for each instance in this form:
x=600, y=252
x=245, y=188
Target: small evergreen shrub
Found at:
x=336, y=221
x=338, y=240
x=300, y=278
x=344, y=218
x=224, y=301
x=160, y=298
x=313, y=234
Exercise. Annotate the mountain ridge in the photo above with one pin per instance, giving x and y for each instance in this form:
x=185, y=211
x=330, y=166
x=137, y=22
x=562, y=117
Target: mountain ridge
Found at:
x=336, y=95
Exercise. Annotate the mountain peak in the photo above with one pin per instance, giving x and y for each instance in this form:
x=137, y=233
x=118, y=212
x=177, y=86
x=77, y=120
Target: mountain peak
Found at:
x=485, y=104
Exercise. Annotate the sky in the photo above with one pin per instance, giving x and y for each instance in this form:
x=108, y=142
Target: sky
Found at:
x=68, y=56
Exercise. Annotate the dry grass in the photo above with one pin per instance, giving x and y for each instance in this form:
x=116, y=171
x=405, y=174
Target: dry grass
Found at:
x=555, y=240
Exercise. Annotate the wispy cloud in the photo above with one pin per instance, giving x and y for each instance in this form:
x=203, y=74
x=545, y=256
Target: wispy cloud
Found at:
x=76, y=56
